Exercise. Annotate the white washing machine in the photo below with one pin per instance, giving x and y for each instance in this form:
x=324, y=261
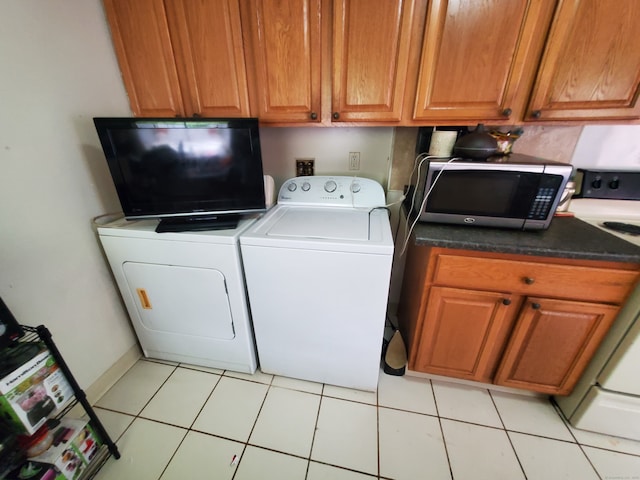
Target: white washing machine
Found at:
x=317, y=267
x=185, y=292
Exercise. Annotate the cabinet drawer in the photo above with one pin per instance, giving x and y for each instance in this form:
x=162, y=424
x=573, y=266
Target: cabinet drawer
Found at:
x=531, y=278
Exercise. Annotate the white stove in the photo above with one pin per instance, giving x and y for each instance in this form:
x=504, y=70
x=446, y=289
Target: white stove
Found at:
x=607, y=397
x=603, y=212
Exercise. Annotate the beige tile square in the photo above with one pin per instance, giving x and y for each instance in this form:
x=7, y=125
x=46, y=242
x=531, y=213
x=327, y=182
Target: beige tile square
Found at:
x=113, y=422
x=347, y=435
x=136, y=387
x=410, y=445
x=406, y=393
x=354, y=395
x=533, y=415
x=203, y=457
x=319, y=471
x=466, y=403
x=480, y=453
x=295, y=384
x=546, y=459
x=286, y=422
x=258, y=376
x=182, y=396
x=614, y=465
x=232, y=409
x=257, y=463
x=145, y=448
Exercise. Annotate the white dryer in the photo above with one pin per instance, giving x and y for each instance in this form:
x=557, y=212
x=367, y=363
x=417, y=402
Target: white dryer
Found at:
x=185, y=292
x=317, y=267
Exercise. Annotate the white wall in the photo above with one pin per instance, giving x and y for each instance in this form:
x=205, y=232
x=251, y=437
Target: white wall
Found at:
x=330, y=147
x=58, y=71
x=608, y=146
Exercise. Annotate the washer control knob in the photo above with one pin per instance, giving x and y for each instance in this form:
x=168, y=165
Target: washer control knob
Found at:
x=330, y=186
x=355, y=187
x=292, y=187
x=306, y=186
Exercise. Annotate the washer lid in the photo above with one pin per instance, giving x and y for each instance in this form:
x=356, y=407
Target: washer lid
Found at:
x=329, y=224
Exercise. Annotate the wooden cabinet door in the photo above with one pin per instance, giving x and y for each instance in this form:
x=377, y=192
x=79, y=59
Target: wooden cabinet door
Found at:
x=591, y=67
x=370, y=59
x=284, y=57
x=464, y=332
x=479, y=58
x=143, y=46
x=207, y=39
x=551, y=344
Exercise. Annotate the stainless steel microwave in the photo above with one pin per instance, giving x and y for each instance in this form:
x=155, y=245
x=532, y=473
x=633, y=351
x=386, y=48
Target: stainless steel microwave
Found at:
x=511, y=191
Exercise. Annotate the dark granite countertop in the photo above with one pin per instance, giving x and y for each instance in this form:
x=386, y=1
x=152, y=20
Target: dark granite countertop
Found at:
x=567, y=237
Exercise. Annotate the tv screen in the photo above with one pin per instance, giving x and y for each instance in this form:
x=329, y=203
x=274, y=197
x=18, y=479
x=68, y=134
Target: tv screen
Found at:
x=194, y=174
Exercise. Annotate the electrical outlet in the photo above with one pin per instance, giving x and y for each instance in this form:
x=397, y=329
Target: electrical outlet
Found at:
x=304, y=166
x=354, y=160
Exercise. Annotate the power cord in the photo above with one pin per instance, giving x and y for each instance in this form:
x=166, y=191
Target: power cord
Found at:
x=424, y=201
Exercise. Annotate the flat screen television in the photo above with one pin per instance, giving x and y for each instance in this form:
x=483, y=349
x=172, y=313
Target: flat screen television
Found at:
x=192, y=174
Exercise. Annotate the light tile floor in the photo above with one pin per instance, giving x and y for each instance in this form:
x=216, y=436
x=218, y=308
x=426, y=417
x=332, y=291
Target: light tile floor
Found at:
x=185, y=422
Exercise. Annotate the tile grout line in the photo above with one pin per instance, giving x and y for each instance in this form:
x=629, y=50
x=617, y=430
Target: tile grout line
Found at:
x=175, y=368
x=315, y=429
x=158, y=389
x=565, y=422
x=205, y=402
x=173, y=454
x=246, y=444
x=444, y=440
x=506, y=432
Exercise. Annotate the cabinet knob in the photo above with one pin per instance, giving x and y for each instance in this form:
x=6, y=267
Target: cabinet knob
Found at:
x=535, y=306
x=507, y=112
x=196, y=115
x=506, y=301
x=529, y=280
x=313, y=116
x=335, y=115
x=536, y=114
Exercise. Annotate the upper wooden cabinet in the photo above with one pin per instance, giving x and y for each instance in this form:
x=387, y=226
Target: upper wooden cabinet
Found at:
x=141, y=39
x=207, y=44
x=591, y=66
x=370, y=59
x=395, y=62
x=180, y=60
x=478, y=58
x=284, y=57
x=306, y=68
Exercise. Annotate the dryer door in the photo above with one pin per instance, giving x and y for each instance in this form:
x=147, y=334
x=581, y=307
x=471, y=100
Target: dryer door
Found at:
x=180, y=300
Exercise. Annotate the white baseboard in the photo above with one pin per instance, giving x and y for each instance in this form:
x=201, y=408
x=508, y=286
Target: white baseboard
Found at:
x=98, y=388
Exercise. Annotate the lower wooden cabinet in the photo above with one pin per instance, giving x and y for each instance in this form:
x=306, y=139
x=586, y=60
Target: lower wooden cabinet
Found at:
x=552, y=343
x=507, y=319
x=464, y=333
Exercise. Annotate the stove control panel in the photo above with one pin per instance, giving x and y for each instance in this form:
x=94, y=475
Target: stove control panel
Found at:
x=609, y=184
